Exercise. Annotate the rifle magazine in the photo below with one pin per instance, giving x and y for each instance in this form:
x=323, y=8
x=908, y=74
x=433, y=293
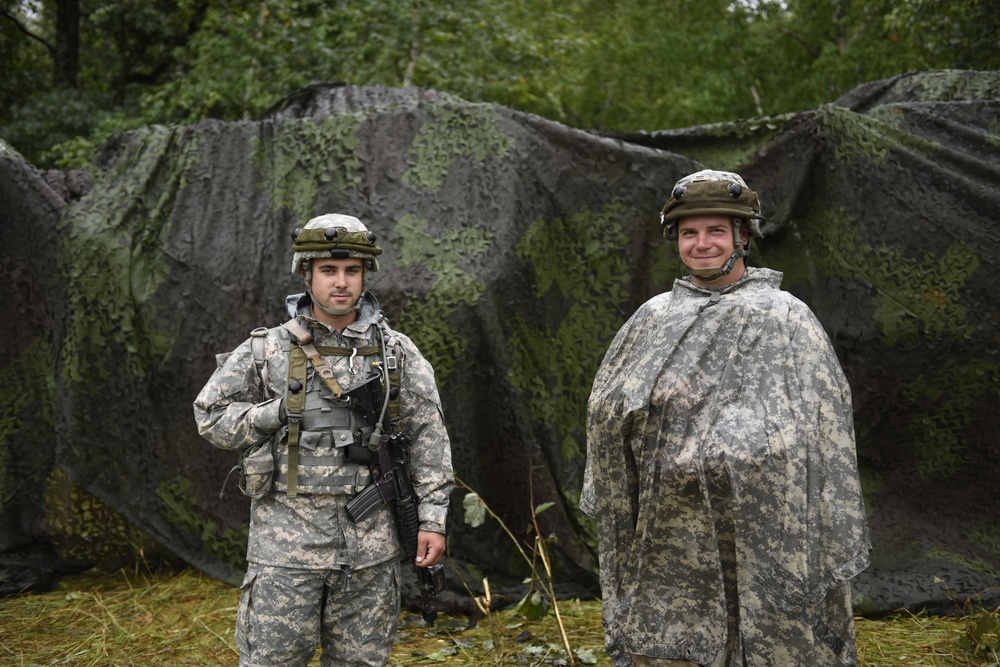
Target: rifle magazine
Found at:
x=361, y=506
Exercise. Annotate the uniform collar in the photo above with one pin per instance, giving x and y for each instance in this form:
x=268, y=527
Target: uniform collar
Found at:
x=300, y=305
x=754, y=276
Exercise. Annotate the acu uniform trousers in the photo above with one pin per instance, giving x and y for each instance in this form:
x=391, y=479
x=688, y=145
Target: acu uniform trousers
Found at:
x=286, y=613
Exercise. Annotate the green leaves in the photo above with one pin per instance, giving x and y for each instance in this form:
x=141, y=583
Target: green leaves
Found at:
x=475, y=511
x=541, y=508
x=532, y=606
x=629, y=65
x=982, y=637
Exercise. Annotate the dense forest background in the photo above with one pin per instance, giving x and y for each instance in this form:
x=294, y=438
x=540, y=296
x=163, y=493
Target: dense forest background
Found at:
x=74, y=72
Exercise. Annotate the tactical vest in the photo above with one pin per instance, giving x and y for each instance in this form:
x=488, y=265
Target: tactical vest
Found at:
x=322, y=424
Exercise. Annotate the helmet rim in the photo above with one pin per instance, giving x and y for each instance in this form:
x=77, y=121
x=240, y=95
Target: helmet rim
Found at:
x=334, y=236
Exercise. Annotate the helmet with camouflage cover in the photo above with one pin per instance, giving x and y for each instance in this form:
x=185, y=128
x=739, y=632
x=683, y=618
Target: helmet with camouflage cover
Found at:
x=711, y=192
x=333, y=236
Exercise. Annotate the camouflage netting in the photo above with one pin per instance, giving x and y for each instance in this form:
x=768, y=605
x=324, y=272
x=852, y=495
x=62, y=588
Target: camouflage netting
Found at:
x=515, y=248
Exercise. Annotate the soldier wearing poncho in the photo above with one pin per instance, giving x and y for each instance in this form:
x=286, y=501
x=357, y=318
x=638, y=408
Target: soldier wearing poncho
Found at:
x=721, y=464
x=314, y=576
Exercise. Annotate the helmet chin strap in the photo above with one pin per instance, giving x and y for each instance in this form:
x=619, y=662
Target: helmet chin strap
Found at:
x=708, y=275
x=335, y=312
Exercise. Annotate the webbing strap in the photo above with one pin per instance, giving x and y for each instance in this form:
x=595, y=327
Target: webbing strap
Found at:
x=346, y=351
x=393, y=363
x=303, y=352
x=304, y=339
x=295, y=403
x=257, y=346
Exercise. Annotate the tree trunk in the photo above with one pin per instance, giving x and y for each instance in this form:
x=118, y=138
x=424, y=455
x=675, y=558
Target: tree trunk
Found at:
x=67, y=54
x=414, y=52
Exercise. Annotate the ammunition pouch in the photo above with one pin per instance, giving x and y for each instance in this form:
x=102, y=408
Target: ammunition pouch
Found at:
x=257, y=470
x=328, y=427
x=322, y=467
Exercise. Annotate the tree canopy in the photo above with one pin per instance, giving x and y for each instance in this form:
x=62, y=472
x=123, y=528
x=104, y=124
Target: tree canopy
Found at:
x=77, y=71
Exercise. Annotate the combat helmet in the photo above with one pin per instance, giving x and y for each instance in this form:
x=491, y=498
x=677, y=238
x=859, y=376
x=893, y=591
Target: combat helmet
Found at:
x=333, y=236
x=711, y=192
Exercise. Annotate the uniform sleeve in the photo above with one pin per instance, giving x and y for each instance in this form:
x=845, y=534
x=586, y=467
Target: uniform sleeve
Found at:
x=422, y=421
x=229, y=411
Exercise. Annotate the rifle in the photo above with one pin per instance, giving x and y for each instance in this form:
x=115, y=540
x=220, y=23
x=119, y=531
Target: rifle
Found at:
x=391, y=484
x=367, y=397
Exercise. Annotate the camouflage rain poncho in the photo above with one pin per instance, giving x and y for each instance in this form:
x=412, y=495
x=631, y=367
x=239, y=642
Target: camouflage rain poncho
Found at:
x=722, y=473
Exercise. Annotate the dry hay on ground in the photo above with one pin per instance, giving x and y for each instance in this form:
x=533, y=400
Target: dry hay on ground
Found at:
x=186, y=618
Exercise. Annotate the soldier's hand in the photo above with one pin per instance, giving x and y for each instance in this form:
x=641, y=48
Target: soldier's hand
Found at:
x=430, y=548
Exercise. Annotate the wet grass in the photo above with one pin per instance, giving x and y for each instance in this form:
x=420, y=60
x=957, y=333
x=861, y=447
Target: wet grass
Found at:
x=144, y=619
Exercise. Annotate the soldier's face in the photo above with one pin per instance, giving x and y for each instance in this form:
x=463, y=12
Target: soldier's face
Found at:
x=705, y=242
x=337, y=283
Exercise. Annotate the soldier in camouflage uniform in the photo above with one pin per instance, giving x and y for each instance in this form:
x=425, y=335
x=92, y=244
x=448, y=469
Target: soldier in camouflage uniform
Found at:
x=314, y=576
x=721, y=465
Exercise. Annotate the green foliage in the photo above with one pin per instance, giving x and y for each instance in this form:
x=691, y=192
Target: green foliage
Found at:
x=651, y=66
x=131, y=43
x=832, y=46
x=963, y=34
x=80, y=150
x=629, y=65
x=25, y=63
x=60, y=128
x=982, y=638
x=532, y=606
x=126, y=46
x=247, y=55
x=244, y=56
x=536, y=603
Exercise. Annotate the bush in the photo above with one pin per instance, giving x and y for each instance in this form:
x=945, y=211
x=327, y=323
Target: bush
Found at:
x=60, y=128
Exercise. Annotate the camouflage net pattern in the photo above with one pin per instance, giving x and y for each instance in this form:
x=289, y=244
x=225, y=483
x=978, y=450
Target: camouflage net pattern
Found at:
x=515, y=248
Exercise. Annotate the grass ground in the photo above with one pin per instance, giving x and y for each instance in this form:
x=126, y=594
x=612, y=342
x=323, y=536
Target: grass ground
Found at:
x=132, y=619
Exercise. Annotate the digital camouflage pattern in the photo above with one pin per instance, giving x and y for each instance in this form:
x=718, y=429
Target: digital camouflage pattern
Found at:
x=313, y=530
x=357, y=628
x=514, y=249
x=296, y=544
x=722, y=474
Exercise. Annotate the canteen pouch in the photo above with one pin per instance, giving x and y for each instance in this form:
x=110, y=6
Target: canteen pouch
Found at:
x=257, y=470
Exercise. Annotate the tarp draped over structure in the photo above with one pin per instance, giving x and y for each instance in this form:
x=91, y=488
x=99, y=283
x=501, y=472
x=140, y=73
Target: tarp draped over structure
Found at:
x=515, y=247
